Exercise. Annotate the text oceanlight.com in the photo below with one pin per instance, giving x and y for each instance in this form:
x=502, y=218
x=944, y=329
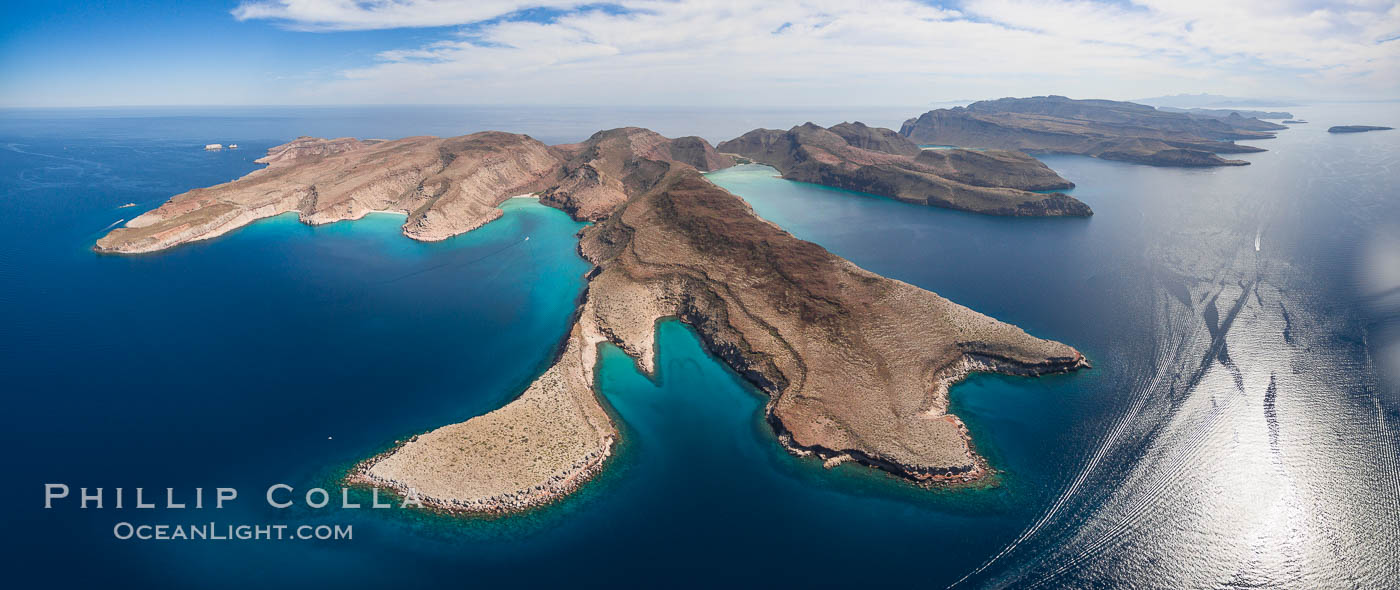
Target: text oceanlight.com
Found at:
x=231, y=532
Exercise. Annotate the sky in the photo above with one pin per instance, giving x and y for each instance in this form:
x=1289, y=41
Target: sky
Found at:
x=676, y=52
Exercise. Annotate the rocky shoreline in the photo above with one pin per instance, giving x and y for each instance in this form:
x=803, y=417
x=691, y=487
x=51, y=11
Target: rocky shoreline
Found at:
x=555, y=489
x=974, y=471
x=563, y=481
x=534, y=450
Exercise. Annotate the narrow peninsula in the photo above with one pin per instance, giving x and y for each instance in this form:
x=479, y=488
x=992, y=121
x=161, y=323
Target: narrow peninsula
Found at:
x=856, y=366
x=856, y=157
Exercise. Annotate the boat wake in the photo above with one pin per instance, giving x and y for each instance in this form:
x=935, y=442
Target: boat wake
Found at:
x=1145, y=394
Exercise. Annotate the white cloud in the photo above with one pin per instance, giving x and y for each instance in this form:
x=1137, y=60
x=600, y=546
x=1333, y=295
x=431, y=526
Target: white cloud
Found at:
x=354, y=15
x=875, y=52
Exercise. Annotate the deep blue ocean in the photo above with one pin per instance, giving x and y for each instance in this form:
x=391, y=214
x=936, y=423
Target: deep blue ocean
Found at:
x=1240, y=428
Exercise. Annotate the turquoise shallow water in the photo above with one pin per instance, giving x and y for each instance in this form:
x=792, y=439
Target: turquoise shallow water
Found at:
x=1237, y=429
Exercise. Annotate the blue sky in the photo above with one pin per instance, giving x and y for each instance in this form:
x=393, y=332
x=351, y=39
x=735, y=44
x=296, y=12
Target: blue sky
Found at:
x=159, y=52
x=812, y=52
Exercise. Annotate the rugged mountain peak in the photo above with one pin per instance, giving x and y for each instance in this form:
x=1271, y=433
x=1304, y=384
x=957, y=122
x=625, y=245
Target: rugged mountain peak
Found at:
x=876, y=139
x=611, y=165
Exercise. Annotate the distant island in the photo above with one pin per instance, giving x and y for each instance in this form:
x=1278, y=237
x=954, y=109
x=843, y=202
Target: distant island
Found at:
x=1106, y=129
x=879, y=161
x=1295, y=122
x=1212, y=101
x=856, y=366
x=1225, y=113
x=1356, y=128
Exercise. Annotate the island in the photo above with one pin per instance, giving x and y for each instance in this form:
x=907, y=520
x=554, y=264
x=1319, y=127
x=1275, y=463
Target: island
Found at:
x=1106, y=129
x=856, y=157
x=1356, y=128
x=1295, y=121
x=856, y=367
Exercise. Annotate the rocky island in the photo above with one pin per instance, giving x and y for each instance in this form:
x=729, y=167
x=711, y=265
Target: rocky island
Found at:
x=856, y=366
x=1105, y=129
x=1356, y=128
x=856, y=157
